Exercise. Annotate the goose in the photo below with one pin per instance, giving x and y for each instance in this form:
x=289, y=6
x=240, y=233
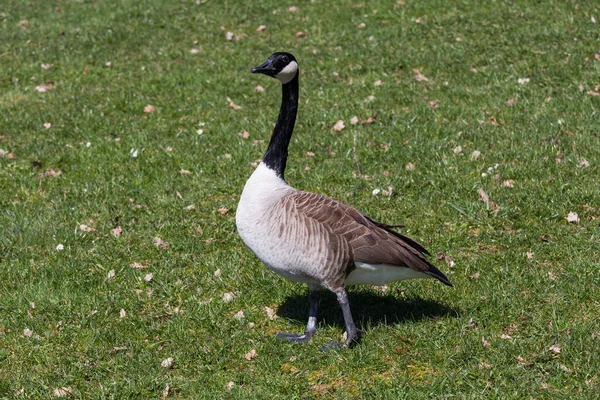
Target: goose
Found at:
x=313, y=239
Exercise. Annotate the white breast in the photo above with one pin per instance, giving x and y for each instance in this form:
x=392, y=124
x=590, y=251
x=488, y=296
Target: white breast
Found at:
x=258, y=218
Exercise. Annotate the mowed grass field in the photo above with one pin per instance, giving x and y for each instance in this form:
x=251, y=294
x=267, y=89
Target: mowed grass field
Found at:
x=128, y=129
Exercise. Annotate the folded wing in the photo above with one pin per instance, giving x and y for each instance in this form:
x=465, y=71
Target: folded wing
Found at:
x=368, y=241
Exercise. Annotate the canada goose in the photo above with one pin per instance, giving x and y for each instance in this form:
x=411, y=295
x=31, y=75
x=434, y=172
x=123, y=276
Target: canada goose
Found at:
x=309, y=238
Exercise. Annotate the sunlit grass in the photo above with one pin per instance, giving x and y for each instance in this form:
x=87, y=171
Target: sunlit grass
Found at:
x=515, y=82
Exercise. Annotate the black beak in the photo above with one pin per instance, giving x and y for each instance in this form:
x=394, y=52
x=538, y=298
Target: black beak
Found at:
x=266, y=68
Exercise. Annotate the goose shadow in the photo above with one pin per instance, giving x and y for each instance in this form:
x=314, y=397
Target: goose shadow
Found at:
x=368, y=308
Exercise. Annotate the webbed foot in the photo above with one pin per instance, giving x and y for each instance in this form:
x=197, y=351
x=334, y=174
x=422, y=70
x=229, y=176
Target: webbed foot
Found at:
x=294, y=337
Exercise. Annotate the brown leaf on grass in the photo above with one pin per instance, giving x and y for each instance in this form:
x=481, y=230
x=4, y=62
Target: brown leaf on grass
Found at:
x=572, y=217
x=244, y=135
x=259, y=89
x=293, y=9
x=85, y=228
x=149, y=108
x=508, y=183
x=111, y=274
x=229, y=386
x=250, y=355
x=597, y=56
x=63, y=391
x=369, y=120
x=583, y=163
x=167, y=363
x=44, y=87
x=137, y=265
x=270, y=313
x=301, y=34
x=184, y=172
x=289, y=368
x=310, y=154
x=410, y=166
x=378, y=82
x=457, y=150
x=228, y=297
x=158, y=242
x=484, y=342
x=232, y=104
x=475, y=275
x=484, y=197
x=117, y=348
x=191, y=207
x=529, y=255
x=475, y=154
x=433, y=104
x=117, y=231
x=555, y=348
x=223, y=210
x=148, y=277
x=495, y=207
x=419, y=76
x=339, y=125
x=261, y=28
x=354, y=120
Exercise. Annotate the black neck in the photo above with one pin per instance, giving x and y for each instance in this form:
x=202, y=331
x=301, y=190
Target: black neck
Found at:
x=277, y=152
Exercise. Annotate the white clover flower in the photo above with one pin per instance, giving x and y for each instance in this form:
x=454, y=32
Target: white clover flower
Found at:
x=60, y=247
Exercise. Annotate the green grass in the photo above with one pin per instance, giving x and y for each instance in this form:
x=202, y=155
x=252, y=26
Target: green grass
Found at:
x=422, y=339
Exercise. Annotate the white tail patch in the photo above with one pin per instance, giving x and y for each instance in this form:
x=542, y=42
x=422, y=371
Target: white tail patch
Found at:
x=288, y=73
x=380, y=274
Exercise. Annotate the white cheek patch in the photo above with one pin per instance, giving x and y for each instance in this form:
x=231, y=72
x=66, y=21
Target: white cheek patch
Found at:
x=288, y=73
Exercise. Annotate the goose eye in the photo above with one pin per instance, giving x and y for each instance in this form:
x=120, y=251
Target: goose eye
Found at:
x=285, y=59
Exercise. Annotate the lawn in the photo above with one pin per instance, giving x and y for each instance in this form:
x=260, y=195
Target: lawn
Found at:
x=128, y=129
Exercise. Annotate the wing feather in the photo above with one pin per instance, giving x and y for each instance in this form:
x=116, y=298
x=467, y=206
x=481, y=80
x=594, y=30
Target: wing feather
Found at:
x=367, y=240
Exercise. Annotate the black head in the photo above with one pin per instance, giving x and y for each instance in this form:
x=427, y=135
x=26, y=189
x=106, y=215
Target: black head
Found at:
x=282, y=66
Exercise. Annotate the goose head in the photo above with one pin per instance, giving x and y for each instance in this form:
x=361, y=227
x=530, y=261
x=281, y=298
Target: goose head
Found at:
x=281, y=66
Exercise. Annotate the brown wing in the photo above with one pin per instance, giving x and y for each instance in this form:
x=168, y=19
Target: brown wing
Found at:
x=369, y=241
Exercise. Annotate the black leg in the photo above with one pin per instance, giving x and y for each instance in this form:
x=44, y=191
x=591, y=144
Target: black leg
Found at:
x=352, y=333
x=311, y=327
